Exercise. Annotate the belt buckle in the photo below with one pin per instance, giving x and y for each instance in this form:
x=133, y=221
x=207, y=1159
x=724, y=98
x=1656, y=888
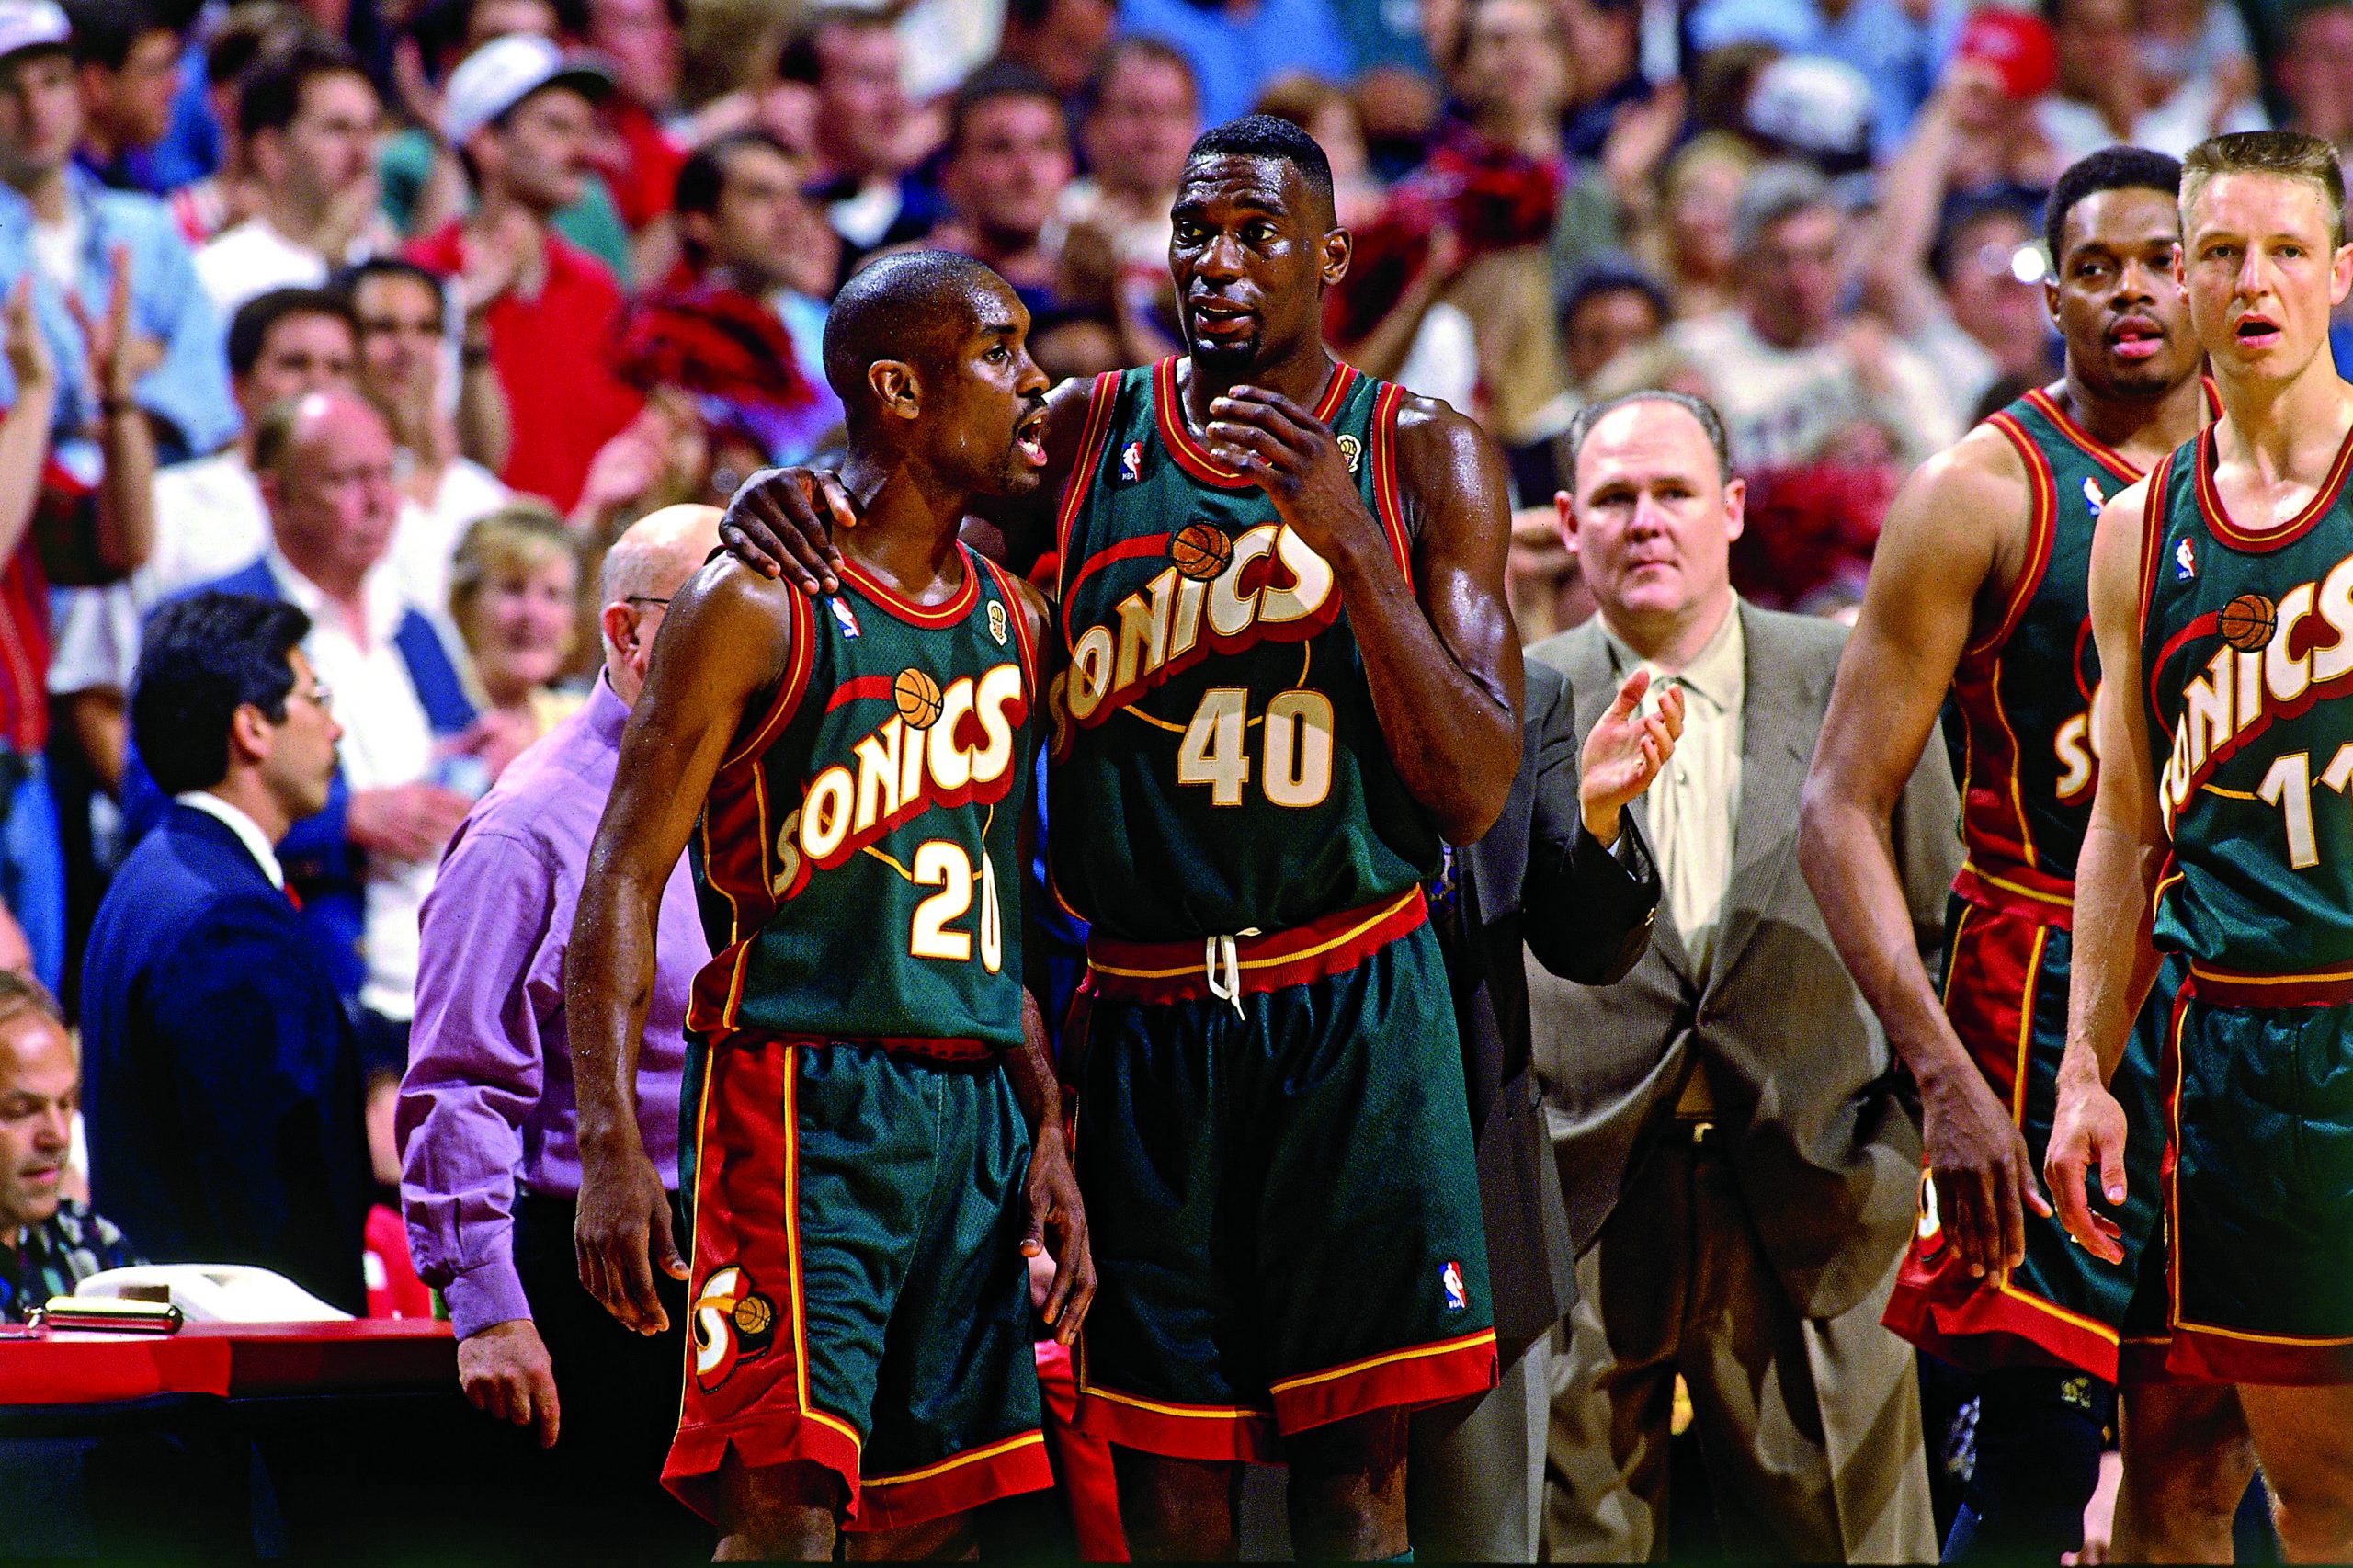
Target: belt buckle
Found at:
x=1701, y=1130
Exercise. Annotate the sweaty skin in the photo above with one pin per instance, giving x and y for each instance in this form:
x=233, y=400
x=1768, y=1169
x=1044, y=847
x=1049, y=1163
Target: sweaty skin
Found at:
x=1949, y=557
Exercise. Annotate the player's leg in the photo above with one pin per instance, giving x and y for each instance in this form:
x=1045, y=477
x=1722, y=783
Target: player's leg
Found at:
x=951, y=1539
x=2040, y=1433
x=775, y=1512
x=2304, y=1437
x=2187, y=1460
x=1175, y=1509
x=1348, y=1488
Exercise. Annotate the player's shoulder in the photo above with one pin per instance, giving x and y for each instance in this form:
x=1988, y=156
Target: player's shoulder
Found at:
x=1440, y=449
x=1985, y=460
x=724, y=595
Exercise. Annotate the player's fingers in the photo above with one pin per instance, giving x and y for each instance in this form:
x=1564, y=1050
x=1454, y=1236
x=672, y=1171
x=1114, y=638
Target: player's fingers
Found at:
x=1233, y=436
x=1963, y=1207
x=665, y=1245
x=784, y=521
x=546, y=1413
x=1082, y=1298
x=1058, y=1298
x=2010, y=1187
x=752, y=541
x=1630, y=696
x=838, y=503
x=2111, y=1167
x=1278, y=408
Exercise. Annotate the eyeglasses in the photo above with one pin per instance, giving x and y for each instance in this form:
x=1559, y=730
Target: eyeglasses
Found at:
x=643, y=599
x=320, y=696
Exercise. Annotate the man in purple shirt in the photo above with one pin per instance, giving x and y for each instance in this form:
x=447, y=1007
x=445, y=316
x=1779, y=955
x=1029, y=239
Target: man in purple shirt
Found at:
x=487, y=1121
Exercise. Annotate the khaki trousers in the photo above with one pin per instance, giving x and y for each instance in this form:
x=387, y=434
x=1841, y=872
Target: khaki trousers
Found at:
x=1811, y=1429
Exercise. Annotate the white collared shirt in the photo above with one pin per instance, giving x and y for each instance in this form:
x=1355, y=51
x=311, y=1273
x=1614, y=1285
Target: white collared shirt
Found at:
x=248, y=831
x=1694, y=803
x=387, y=740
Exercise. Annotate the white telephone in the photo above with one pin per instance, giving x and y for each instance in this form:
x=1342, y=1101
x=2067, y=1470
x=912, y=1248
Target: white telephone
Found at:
x=214, y=1292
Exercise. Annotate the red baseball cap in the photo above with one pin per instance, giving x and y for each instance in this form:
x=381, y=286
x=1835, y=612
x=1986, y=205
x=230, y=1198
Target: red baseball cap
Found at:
x=2018, y=47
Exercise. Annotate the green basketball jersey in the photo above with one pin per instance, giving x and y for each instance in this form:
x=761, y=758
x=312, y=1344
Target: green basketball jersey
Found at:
x=2022, y=693
x=1219, y=767
x=858, y=849
x=2247, y=643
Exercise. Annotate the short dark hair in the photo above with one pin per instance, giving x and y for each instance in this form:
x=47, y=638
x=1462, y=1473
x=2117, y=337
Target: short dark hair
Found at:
x=250, y=328
x=345, y=284
x=105, y=31
x=703, y=176
x=252, y=30
x=1264, y=136
x=270, y=91
x=1699, y=408
x=1159, y=51
x=801, y=61
x=892, y=309
x=1612, y=274
x=998, y=79
x=201, y=659
x=2111, y=168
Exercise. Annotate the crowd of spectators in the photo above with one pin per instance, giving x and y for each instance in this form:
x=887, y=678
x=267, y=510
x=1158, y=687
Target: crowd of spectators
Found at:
x=397, y=314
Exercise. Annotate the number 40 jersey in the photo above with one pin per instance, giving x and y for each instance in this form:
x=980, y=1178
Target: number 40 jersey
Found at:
x=859, y=844
x=1218, y=765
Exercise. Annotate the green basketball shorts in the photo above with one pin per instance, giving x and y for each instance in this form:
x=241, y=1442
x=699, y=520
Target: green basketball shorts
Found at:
x=2257, y=1080
x=860, y=1301
x=1276, y=1160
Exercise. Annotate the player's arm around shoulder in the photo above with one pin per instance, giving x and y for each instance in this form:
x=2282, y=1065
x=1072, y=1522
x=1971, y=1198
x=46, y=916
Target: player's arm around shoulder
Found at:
x=1465, y=725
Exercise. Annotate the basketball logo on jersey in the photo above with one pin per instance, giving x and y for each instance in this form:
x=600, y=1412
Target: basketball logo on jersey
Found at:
x=842, y=616
x=731, y=1323
x=1449, y=1282
x=2092, y=499
x=1351, y=452
x=996, y=620
x=1131, y=462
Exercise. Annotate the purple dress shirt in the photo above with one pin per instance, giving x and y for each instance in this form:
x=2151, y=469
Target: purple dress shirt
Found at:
x=488, y=1103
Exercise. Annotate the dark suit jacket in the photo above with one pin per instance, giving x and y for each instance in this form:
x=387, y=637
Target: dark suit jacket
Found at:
x=1826, y=1150
x=221, y=1078
x=1536, y=871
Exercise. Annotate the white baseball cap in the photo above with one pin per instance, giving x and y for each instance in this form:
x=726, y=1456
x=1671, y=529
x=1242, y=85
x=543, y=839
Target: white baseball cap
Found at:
x=496, y=78
x=32, y=24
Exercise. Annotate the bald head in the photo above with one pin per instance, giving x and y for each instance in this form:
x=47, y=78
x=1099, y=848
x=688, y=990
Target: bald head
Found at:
x=645, y=568
x=915, y=307
x=324, y=462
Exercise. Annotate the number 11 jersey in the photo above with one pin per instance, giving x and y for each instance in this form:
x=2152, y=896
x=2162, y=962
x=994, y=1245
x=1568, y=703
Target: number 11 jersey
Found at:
x=1218, y=765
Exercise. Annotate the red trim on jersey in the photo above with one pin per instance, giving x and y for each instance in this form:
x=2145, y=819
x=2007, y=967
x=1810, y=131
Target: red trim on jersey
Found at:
x=2043, y=524
x=2018, y=889
x=960, y=1482
x=2218, y=518
x=2099, y=451
x=1142, y=545
x=1172, y=971
x=1091, y=441
x=797, y=660
x=1415, y=1376
x=1175, y=1431
x=1192, y=457
x=862, y=689
x=2152, y=540
x=888, y=600
x=1387, y=504
x=2221, y=987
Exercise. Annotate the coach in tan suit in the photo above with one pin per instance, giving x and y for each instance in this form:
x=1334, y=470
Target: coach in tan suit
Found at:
x=1739, y=1168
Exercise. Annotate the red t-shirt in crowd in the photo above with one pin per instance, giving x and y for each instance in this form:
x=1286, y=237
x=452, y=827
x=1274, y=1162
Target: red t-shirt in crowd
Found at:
x=553, y=355
x=647, y=178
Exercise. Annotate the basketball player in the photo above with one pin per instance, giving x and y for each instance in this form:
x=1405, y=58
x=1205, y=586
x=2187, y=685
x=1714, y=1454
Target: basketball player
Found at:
x=880, y=1139
x=1292, y=678
x=1979, y=587
x=2222, y=594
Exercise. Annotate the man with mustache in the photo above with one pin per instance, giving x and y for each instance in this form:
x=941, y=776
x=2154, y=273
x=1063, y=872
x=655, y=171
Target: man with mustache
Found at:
x=881, y=1144
x=1979, y=589
x=1292, y=681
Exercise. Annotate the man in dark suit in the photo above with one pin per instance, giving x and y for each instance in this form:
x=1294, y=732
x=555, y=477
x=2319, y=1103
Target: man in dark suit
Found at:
x=223, y=1098
x=1565, y=869
x=1729, y=1136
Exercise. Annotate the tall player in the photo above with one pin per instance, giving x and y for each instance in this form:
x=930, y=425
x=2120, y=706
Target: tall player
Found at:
x=1979, y=587
x=1293, y=677
x=2221, y=591
x=865, y=1184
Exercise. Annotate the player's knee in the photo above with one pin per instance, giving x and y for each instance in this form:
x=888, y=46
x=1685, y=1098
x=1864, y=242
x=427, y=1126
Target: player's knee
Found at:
x=2312, y=1508
x=784, y=1512
x=1177, y=1507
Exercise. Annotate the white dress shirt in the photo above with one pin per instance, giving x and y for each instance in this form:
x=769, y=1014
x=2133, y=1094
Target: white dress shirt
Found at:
x=248, y=831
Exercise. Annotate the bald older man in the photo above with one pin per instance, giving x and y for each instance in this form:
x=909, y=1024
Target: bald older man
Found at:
x=487, y=1119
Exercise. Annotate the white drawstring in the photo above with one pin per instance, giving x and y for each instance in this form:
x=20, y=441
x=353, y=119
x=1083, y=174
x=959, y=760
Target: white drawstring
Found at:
x=1224, y=948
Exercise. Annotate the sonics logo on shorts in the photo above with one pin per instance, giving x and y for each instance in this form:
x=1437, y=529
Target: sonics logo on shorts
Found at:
x=1264, y=584
x=731, y=1322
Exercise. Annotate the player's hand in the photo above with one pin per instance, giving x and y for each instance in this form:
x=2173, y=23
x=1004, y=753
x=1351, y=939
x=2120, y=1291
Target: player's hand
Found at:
x=1624, y=751
x=1058, y=1228
x=1295, y=459
x=507, y=1375
x=1985, y=1176
x=780, y=525
x=2087, y=1133
x=622, y=1233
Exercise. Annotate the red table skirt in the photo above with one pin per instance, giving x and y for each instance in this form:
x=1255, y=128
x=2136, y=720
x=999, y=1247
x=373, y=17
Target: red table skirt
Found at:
x=229, y=1360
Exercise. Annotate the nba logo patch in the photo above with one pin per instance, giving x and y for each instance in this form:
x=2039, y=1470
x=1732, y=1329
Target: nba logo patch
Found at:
x=842, y=614
x=2185, y=563
x=2092, y=498
x=1351, y=452
x=1449, y=1282
x=1131, y=462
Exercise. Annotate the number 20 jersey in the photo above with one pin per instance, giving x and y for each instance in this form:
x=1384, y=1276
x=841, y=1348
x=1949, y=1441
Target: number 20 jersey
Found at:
x=859, y=846
x=2251, y=725
x=1219, y=767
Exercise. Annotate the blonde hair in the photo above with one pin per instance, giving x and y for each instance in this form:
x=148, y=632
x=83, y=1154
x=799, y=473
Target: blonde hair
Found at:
x=2291, y=154
x=519, y=538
